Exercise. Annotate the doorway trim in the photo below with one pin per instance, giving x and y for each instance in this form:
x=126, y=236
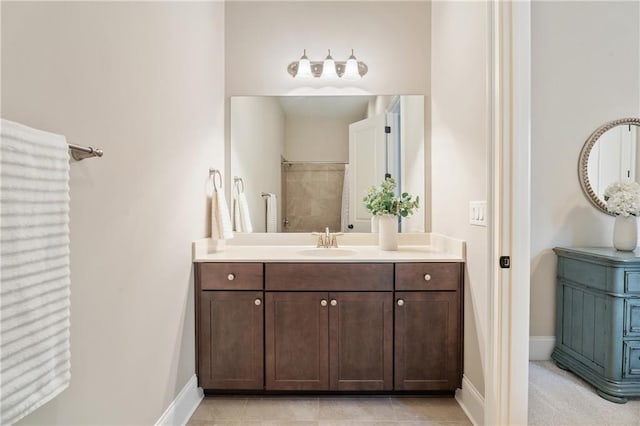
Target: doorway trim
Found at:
x=507, y=367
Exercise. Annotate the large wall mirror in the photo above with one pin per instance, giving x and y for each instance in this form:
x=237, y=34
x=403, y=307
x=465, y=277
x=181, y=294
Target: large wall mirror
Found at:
x=304, y=163
x=612, y=153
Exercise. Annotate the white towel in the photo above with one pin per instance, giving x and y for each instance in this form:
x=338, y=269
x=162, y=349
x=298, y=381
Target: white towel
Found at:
x=220, y=220
x=241, y=217
x=34, y=272
x=272, y=213
x=245, y=218
x=237, y=223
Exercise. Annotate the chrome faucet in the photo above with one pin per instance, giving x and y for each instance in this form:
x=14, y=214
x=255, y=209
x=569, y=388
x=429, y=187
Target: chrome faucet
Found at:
x=326, y=239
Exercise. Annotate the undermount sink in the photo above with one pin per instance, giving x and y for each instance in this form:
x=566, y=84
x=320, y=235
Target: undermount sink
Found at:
x=327, y=252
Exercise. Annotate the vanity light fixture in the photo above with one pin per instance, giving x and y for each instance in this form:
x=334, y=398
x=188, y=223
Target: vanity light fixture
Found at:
x=329, y=69
x=304, y=67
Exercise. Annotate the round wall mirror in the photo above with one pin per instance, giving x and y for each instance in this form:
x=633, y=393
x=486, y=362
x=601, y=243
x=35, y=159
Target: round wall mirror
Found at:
x=611, y=154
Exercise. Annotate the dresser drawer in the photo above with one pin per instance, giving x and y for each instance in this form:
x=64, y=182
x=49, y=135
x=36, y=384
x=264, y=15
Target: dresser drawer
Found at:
x=428, y=276
x=329, y=276
x=230, y=276
x=632, y=282
x=631, y=359
x=632, y=317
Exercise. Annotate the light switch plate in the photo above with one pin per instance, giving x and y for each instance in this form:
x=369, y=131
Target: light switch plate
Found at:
x=478, y=213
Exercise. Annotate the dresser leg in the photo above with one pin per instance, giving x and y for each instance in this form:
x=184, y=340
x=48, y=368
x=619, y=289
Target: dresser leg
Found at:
x=612, y=398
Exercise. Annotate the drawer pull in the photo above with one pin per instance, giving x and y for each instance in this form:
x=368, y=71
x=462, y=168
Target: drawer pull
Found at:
x=400, y=302
x=257, y=302
x=323, y=302
x=427, y=277
x=334, y=302
x=231, y=277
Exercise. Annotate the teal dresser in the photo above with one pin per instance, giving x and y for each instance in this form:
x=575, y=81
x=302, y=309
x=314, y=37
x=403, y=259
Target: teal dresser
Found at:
x=598, y=319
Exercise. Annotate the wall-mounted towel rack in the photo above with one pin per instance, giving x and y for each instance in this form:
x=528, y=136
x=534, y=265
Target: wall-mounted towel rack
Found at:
x=81, y=152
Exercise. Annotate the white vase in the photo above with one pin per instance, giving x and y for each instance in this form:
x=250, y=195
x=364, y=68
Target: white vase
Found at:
x=388, y=232
x=625, y=233
x=374, y=223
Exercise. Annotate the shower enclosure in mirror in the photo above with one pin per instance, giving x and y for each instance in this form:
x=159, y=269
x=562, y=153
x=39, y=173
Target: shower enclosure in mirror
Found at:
x=314, y=157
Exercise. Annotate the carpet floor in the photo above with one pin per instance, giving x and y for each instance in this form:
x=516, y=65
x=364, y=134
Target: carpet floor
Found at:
x=558, y=397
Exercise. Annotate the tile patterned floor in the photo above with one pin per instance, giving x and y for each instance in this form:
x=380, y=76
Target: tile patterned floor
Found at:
x=328, y=411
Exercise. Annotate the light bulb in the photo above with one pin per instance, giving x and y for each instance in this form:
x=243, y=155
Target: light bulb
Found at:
x=304, y=68
x=351, y=72
x=329, y=68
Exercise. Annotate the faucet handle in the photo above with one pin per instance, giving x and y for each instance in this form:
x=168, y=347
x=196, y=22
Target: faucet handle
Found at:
x=321, y=240
x=334, y=240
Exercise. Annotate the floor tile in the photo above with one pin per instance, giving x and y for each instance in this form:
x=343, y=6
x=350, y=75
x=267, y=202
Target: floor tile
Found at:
x=219, y=409
x=429, y=409
x=282, y=409
x=356, y=409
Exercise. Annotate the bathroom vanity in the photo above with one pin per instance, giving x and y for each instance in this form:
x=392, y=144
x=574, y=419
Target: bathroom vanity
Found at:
x=353, y=319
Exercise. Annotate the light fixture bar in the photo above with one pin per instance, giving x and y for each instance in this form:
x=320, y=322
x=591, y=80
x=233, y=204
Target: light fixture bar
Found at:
x=316, y=68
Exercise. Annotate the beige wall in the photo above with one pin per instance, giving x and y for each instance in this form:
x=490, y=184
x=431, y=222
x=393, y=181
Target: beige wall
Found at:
x=585, y=72
x=145, y=82
x=460, y=146
x=318, y=138
x=263, y=37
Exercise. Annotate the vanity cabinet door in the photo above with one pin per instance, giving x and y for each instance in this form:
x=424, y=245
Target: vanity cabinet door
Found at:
x=427, y=341
x=230, y=340
x=297, y=340
x=361, y=341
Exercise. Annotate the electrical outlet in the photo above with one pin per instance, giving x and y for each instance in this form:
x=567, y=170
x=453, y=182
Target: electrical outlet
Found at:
x=478, y=213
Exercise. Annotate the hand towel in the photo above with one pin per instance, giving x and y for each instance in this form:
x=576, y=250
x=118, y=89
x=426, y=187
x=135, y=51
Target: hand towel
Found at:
x=34, y=272
x=243, y=211
x=237, y=223
x=272, y=213
x=220, y=220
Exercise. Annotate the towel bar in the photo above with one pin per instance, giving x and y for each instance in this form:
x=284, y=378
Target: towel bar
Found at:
x=81, y=152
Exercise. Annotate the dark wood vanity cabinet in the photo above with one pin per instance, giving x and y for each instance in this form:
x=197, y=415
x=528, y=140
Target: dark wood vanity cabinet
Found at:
x=328, y=326
x=428, y=327
x=230, y=326
x=329, y=340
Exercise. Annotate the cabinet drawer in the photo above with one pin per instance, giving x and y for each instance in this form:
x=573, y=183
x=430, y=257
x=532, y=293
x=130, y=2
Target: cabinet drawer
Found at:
x=632, y=317
x=631, y=359
x=632, y=282
x=428, y=276
x=230, y=276
x=329, y=276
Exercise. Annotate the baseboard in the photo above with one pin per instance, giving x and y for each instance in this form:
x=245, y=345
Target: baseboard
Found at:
x=540, y=347
x=182, y=407
x=471, y=401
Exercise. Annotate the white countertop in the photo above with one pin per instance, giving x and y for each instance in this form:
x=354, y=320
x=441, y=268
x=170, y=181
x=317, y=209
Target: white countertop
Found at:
x=352, y=248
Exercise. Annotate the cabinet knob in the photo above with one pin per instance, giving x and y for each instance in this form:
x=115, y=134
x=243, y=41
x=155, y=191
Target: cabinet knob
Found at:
x=323, y=302
x=231, y=277
x=427, y=277
x=334, y=302
x=257, y=302
x=400, y=302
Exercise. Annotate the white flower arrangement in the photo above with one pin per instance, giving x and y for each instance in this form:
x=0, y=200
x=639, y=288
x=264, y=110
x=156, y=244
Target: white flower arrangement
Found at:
x=623, y=198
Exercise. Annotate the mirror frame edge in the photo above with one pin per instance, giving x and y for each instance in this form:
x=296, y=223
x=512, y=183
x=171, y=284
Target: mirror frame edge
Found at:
x=583, y=161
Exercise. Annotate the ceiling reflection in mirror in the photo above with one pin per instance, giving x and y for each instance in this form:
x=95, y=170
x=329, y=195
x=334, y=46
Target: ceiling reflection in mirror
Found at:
x=304, y=163
x=611, y=154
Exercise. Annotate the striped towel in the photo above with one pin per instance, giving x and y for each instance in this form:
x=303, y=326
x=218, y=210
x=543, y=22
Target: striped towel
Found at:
x=34, y=269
